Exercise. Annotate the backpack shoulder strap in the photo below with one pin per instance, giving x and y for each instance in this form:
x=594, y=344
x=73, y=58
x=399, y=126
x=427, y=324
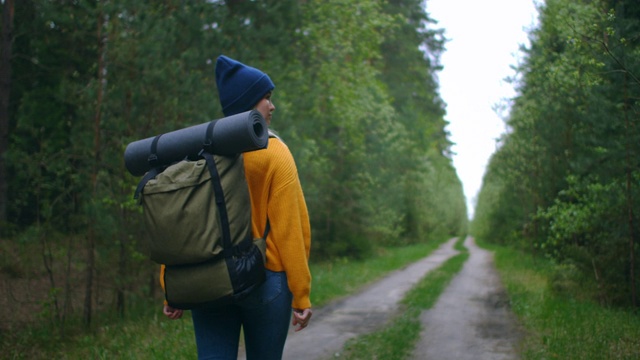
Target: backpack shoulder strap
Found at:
x=217, y=189
x=155, y=169
x=273, y=134
x=220, y=202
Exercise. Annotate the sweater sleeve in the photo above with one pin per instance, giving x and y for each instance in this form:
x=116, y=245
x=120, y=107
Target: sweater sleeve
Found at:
x=290, y=230
x=162, y=269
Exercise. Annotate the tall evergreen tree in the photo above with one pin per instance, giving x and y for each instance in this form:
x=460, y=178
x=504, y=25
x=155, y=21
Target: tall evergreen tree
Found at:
x=6, y=44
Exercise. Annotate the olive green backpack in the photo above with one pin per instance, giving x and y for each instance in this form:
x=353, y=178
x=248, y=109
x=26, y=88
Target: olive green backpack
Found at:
x=197, y=213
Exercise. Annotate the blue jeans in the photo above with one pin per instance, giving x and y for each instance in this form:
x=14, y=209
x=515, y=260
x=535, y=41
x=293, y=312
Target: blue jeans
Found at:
x=264, y=316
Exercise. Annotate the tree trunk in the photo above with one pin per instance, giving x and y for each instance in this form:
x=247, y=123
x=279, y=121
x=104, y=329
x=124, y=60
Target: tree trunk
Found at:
x=88, y=291
x=627, y=125
x=122, y=272
x=5, y=90
x=91, y=236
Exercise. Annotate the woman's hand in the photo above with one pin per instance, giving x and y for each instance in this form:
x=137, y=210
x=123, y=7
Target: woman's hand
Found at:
x=172, y=313
x=301, y=318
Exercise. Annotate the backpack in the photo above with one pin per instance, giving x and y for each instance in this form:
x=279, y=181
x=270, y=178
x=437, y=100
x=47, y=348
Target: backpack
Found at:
x=208, y=251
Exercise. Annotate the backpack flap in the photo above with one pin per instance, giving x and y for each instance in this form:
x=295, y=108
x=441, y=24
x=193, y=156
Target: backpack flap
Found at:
x=180, y=214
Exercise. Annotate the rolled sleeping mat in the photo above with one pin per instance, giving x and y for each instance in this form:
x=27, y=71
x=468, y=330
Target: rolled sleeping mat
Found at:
x=233, y=134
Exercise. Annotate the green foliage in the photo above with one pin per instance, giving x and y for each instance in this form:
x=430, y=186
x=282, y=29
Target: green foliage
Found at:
x=563, y=182
x=580, y=233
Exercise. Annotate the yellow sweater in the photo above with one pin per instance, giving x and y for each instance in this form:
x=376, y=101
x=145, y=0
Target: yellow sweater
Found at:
x=276, y=192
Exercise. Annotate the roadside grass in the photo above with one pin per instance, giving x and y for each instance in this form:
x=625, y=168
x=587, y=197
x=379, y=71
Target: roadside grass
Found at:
x=152, y=338
x=561, y=326
x=146, y=334
x=397, y=339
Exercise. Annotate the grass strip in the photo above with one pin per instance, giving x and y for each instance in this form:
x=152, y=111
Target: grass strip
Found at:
x=559, y=326
x=397, y=340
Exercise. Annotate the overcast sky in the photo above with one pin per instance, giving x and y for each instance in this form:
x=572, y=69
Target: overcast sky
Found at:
x=484, y=38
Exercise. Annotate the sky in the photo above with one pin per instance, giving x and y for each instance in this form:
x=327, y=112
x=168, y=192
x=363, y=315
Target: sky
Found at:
x=484, y=38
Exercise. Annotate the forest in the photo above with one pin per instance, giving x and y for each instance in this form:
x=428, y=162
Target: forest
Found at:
x=564, y=182
x=357, y=103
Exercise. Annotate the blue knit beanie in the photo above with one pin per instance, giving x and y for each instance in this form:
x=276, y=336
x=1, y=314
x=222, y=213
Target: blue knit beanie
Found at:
x=240, y=87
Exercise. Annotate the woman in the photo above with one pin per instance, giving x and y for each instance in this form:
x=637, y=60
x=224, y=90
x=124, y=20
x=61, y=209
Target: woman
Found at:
x=276, y=195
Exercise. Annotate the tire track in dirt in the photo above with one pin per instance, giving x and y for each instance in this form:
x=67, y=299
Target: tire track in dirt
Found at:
x=471, y=319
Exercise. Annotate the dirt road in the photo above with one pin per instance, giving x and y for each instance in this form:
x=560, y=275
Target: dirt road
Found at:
x=332, y=326
x=469, y=321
